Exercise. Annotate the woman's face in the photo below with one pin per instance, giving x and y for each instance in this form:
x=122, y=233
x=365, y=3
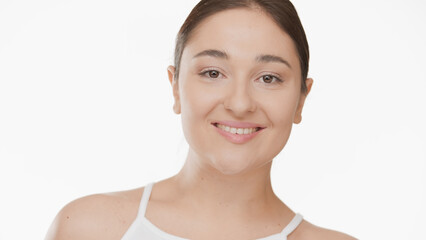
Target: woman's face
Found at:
x=238, y=90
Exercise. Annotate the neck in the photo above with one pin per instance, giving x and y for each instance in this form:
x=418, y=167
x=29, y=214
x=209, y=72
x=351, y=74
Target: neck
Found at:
x=205, y=186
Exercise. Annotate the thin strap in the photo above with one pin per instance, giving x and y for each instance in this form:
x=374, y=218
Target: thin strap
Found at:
x=145, y=198
x=297, y=219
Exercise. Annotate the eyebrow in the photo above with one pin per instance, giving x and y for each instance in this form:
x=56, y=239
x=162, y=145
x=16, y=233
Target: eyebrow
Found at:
x=212, y=53
x=271, y=58
x=265, y=58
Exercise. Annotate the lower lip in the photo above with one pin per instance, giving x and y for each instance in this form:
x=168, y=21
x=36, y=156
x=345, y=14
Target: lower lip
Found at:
x=237, y=138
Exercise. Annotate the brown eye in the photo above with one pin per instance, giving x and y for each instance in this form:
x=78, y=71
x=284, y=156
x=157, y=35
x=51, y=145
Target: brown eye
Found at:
x=213, y=74
x=270, y=79
x=267, y=78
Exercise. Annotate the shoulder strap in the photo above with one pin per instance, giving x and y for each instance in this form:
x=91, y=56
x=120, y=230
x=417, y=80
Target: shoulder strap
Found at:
x=297, y=219
x=145, y=198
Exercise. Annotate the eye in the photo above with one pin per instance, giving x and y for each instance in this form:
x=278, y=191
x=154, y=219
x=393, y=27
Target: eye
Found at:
x=213, y=73
x=210, y=74
x=270, y=79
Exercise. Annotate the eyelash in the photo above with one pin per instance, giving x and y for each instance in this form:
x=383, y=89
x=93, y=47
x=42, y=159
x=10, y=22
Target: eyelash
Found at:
x=277, y=79
x=203, y=73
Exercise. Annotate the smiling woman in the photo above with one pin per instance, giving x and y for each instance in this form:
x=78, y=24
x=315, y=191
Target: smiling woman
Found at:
x=239, y=82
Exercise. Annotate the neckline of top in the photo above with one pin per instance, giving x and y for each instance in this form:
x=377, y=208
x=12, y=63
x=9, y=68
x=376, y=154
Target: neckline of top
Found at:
x=291, y=226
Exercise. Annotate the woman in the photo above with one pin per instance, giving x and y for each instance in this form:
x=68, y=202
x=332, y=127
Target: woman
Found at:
x=239, y=82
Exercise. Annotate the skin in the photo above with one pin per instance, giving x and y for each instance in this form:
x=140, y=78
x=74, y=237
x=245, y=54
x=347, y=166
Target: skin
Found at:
x=223, y=185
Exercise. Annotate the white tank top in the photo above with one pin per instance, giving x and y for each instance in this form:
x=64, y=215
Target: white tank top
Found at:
x=142, y=228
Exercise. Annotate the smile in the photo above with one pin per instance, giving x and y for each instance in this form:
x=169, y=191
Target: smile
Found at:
x=237, y=132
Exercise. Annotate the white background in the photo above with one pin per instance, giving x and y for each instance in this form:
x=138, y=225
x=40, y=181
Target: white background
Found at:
x=86, y=107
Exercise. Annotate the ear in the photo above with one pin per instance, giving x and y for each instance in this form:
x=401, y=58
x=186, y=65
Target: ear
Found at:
x=175, y=87
x=298, y=115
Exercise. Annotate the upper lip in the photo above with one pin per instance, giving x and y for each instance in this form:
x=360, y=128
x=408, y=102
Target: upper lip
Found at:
x=239, y=124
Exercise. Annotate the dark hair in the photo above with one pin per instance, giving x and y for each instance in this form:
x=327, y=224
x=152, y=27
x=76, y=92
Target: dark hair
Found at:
x=282, y=11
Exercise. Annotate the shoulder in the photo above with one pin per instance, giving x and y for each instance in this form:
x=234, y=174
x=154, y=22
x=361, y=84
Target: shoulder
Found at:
x=98, y=216
x=310, y=231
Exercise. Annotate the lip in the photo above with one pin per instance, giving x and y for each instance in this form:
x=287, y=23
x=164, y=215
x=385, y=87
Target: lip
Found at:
x=238, y=138
x=239, y=124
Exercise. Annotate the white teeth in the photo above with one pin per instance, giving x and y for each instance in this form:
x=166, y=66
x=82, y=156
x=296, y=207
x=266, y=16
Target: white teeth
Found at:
x=236, y=130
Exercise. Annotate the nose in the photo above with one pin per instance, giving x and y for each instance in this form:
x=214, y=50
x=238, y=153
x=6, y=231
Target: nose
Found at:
x=239, y=99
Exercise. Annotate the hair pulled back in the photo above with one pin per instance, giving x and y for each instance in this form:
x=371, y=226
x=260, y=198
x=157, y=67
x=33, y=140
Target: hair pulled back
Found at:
x=281, y=11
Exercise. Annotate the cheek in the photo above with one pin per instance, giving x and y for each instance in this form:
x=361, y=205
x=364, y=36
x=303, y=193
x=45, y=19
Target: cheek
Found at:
x=283, y=114
x=281, y=107
x=280, y=113
x=197, y=102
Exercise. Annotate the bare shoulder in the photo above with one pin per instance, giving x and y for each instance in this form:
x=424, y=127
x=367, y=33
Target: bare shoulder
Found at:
x=98, y=216
x=309, y=231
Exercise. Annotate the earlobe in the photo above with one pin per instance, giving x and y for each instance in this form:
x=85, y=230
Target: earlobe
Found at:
x=175, y=87
x=298, y=115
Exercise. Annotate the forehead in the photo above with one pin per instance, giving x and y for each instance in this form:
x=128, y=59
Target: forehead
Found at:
x=243, y=33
